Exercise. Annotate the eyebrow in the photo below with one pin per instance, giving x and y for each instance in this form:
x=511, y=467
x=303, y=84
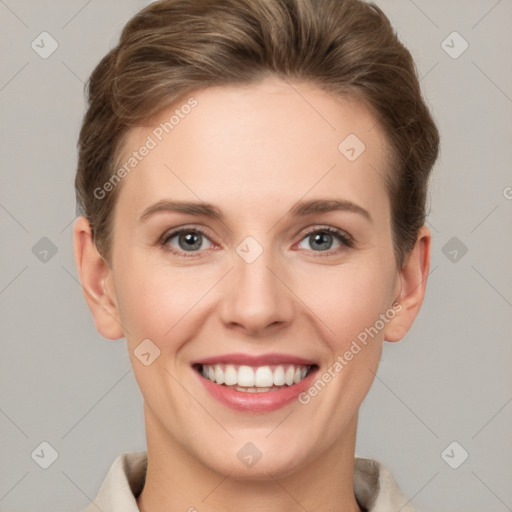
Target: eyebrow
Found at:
x=299, y=209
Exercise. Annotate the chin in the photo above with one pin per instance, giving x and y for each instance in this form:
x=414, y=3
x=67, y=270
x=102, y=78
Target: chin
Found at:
x=257, y=460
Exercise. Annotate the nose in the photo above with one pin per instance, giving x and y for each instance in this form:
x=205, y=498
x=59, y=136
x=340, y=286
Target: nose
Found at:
x=256, y=298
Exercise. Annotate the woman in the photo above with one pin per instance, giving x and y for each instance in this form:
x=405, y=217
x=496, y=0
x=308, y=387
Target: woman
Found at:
x=252, y=181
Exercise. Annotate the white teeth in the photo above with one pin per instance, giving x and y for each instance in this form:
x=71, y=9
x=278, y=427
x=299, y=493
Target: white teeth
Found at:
x=230, y=375
x=252, y=390
x=245, y=377
x=263, y=377
x=288, y=378
x=279, y=376
x=219, y=375
x=252, y=380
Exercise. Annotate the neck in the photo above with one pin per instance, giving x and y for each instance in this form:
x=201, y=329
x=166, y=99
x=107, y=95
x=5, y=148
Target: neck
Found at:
x=178, y=481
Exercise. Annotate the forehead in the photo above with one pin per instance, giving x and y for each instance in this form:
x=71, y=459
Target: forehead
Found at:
x=263, y=144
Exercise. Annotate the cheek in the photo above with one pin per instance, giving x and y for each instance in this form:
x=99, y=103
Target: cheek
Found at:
x=147, y=301
x=160, y=302
x=350, y=298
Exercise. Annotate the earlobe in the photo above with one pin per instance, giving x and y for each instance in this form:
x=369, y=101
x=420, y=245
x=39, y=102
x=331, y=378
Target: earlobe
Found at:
x=413, y=277
x=95, y=277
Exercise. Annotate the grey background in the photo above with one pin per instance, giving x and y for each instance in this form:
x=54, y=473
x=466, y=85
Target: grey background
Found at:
x=449, y=380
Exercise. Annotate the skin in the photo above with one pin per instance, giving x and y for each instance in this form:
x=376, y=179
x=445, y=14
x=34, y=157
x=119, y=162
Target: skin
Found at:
x=253, y=152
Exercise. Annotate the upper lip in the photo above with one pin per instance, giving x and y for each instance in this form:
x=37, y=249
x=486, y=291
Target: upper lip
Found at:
x=254, y=360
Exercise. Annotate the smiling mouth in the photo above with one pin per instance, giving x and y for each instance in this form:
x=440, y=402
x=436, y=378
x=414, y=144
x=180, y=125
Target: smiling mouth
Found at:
x=255, y=379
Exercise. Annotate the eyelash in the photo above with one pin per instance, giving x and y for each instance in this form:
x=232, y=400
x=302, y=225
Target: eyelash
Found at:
x=342, y=237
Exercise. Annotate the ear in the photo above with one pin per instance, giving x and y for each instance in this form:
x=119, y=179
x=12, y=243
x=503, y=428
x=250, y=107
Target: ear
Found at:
x=413, y=276
x=96, y=278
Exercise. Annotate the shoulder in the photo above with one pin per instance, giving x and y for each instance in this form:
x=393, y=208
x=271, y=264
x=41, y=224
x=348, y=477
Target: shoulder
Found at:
x=122, y=485
x=376, y=489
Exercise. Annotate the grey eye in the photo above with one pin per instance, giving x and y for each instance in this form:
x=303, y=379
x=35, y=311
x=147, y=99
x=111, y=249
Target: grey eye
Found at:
x=188, y=240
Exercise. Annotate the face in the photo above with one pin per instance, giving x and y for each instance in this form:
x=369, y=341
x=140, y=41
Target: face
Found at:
x=270, y=282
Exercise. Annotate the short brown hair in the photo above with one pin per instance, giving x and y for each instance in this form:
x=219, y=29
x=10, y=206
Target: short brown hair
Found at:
x=172, y=47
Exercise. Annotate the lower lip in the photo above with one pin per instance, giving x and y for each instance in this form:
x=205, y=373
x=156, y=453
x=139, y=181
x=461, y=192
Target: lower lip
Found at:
x=257, y=402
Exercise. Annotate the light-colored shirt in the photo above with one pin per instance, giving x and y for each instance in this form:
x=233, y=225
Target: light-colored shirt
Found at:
x=374, y=486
